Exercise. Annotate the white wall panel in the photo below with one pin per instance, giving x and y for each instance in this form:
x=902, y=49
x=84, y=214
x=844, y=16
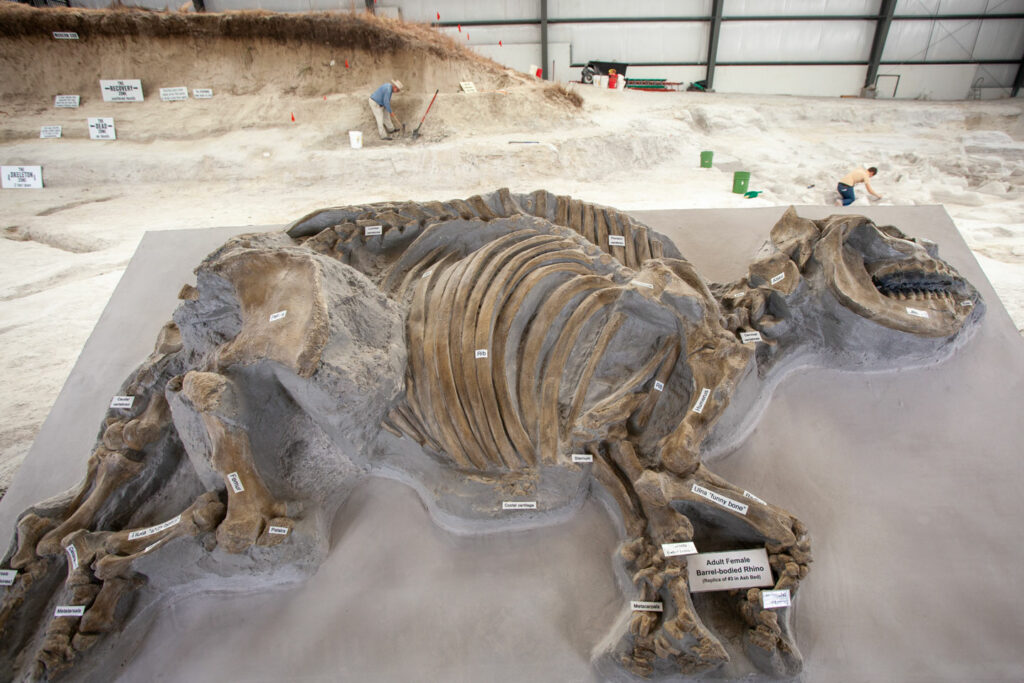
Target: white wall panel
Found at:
x=1001, y=40
x=919, y=7
x=795, y=40
x=907, y=40
x=486, y=35
x=522, y=56
x=790, y=80
x=733, y=8
x=953, y=40
x=642, y=42
x=575, y=9
x=940, y=82
x=460, y=10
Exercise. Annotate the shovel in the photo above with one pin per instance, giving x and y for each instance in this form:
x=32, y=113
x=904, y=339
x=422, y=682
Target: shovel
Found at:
x=416, y=132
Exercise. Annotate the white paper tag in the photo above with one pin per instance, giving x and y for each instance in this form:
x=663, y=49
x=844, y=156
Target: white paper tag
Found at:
x=373, y=230
x=702, y=401
x=65, y=35
x=778, y=278
x=102, y=128
x=674, y=549
x=917, y=312
x=616, y=241
x=480, y=353
x=727, y=503
x=751, y=496
x=202, y=93
x=122, y=401
x=22, y=177
x=50, y=132
x=582, y=457
x=7, y=576
x=174, y=94
x=967, y=302
x=426, y=275
x=278, y=530
x=69, y=611
x=67, y=101
x=729, y=570
x=150, y=547
x=750, y=337
x=775, y=599
x=149, y=531
x=648, y=285
x=467, y=86
x=659, y=386
x=277, y=316
x=644, y=606
x=519, y=505
x=73, y=555
x=127, y=90
x=236, y=482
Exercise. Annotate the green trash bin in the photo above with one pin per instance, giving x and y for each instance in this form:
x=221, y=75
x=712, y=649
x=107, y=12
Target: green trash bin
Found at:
x=740, y=181
x=705, y=159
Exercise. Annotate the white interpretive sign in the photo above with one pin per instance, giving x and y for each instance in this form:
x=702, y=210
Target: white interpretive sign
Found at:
x=728, y=570
x=616, y=241
x=675, y=549
x=648, y=285
x=778, y=278
x=702, y=401
x=467, y=86
x=373, y=230
x=274, y=317
x=127, y=90
x=751, y=496
x=278, y=530
x=917, y=312
x=174, y=94
x=122, y=401
x=69, y=611
x=202, y=93
x=65, y=35
x=22, y=177
x=149, y=531
x=519, y=505
x=73, y=556
x=7, y=576
x=727, y=503
x=67, y=101
x=582, y=457
x=50, y=132
x=481, y=353
x=102, y=129
x=644, y=606
x=236, y=482
x=659, y=386
x=750, y=337
x=775, y=599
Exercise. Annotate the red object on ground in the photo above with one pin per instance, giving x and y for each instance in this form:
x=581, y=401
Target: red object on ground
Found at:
x=540, y=72
x=499, y=43
x=460, y=28
x=439, y=16
x=613, y=79
x=293, y=117
x=346, y=63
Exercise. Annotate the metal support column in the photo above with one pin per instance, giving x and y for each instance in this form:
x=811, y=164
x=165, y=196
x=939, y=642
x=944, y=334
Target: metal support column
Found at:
x=885, y=13
x=544, y=38
x=713, y=30
x=1019, y=80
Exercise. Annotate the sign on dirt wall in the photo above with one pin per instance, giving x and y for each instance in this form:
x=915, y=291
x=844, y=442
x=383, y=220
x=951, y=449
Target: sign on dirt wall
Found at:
x=129, y=90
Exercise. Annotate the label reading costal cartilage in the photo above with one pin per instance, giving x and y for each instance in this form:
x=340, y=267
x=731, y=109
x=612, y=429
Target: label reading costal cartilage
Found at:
x=750, y=337
x=278, y=315
x=176, y=94
x=73, y=556
x=778, y=278
x=373, y=230
x=582, y=457
x=967, y=302
x=616, y=241
x=917, y=312
x=659, y=386
x=202, y=93
x=674, y=549
x=775, y=599
x=644, y=606
x=142, y=533
x=481, y=353
x=122, y=402
x=751, y=496
x=69, y=611
x=519, y=505
x=65, y=35
x=648, y=285
x=729, y=570
x=727, y=503
x=67, y=101
x=7, y=576
x=236, y=482
x=702, y=401
x=278, y=530
x=48, y=132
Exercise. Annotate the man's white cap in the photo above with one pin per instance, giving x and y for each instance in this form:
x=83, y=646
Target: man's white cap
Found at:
x=397, y=84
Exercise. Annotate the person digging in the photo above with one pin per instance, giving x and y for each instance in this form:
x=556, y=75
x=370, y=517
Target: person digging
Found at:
x=380, y=101
x=854, y=177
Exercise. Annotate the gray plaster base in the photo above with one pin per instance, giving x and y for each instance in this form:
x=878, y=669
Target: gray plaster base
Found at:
x=910, y=482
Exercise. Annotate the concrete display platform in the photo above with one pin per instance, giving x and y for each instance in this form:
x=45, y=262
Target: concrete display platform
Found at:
x=909, y=481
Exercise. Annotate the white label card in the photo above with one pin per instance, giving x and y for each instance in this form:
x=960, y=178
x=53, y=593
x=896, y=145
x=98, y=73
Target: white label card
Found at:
x=65, y=35
x=69, y=611
x=729, y=570
x=616, y=241
x=727, y=503
x=778, y=278
x=481, y=353
x=674, y=549
x=775, y=599
x=236, y=482
x=659, y=386
x=750, y=337
x=202, y=93
x=751, y=496
x=149, y=531
x=278, y=530
x=582, y=457
x=644, y=606
x=373, y=230
x=519, y=505
x=467, y=86
x=174, y=94
x=73, y=556
x=917, y=312
x=274, y=317
x=7, y=576
x=967, y=302
x=426, y=275
x=50, y=132
x=102, y=129
x=702, y=401
x=67, y=101
x=22, y=177
x=122, y=401
x=128, y=90
x=648, y=285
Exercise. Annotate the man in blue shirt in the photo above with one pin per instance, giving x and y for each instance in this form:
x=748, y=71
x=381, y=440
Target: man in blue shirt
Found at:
x=380, y=101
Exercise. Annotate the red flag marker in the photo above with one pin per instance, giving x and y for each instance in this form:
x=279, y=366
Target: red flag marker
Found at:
x=467, y=35
x=439, y=16
x=499, y=43
x=293, y=117
x=346, y=63
x=460, y=28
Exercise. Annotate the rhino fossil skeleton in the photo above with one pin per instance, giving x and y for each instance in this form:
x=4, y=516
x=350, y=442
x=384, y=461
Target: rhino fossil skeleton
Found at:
x=468, y=350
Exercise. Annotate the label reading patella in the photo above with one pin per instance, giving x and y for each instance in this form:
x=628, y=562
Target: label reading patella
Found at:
x=373, y=230
x=102, y=129
x=616, y=241
x=236, y=482
x=644, y=606
x=67, y=101
x=751, y=496
x=277, y=316
x=22, y=177
x=73, y=556
x=143, y=533
x=7, y=576
x=128, y=90
x=749, y=337
x=69, y=611
x=778, y=278
x=917, y=312
x=674, y=549
x=174, y=94
x=481, y=353
x=519, y=505
x=729, y=570
x=727, y=503
x=582, y=457
x=278, y=530
x=659, y=386
x=122, y=401
x=702, y=401
x=50, y=132
x=775, y=599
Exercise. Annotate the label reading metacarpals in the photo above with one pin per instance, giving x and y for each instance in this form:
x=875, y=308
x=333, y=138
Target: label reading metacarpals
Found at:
x=69, y=611
x=644, y=606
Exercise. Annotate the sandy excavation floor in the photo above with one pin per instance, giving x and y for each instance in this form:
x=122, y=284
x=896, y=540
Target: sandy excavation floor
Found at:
x=239, y=159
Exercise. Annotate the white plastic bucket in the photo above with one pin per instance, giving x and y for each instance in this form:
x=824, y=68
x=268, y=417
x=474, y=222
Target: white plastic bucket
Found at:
x=355, y=137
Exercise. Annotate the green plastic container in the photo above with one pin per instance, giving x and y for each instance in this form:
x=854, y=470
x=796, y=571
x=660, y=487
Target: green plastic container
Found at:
x=705, y=159
x=740, y=181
